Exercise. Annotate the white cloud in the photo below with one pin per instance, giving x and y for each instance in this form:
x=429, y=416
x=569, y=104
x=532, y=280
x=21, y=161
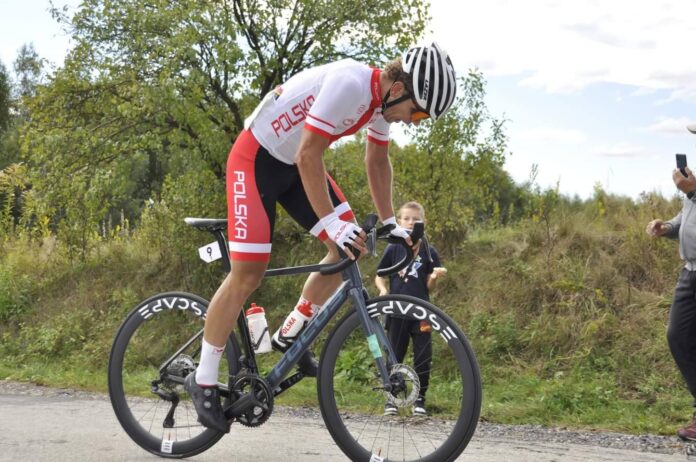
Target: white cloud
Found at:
x=564, y=46
x=671, y=126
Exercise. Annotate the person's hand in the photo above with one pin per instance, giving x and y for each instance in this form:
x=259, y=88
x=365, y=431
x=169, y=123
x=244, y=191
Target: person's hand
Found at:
x=685, y=184
x=657, y=227
x=383, y=292
x=345, y=233
x=438, y=272
x=397, y=231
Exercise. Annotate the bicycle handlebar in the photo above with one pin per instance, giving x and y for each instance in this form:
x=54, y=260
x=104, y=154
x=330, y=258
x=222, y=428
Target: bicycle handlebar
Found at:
x=384, y=232
x=416, y=234
x=345, y=262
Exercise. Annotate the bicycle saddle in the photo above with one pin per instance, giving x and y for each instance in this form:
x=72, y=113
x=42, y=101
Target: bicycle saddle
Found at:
x=207, y=224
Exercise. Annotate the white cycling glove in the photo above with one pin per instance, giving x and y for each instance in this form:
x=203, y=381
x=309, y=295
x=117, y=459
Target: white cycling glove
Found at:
x=339, y=231
x=397, y=230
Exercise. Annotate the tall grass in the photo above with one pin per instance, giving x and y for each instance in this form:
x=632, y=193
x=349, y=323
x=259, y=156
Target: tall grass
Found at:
x=566, y=312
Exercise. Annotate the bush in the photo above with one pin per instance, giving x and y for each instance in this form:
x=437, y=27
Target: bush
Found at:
x=14, y=294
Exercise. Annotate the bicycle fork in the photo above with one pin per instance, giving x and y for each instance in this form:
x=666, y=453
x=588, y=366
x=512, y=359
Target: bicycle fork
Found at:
x=375, y=335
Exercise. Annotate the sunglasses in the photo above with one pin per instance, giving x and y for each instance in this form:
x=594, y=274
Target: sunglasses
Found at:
x=417, y=113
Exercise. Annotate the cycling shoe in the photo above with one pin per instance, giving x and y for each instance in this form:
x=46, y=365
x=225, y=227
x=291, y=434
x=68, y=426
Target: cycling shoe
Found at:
x=206, y=400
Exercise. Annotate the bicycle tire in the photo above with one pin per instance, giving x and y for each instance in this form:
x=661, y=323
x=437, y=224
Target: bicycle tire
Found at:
x=353, y=411
x=180, y=309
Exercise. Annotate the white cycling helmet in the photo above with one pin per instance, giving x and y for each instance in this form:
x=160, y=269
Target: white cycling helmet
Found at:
x=433, y=78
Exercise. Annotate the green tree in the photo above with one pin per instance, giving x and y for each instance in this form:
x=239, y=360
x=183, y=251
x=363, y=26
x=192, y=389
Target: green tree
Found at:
x=12, y=176
x=155, y=88
x=28, y=68
x=5, y=98
x=460, y=159
x=9, y=150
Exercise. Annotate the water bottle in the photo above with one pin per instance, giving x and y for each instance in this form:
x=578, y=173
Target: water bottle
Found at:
x=258, y=329
x=293, y=325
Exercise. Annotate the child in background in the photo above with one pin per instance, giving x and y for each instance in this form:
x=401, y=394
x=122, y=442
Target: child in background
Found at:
x=421, y=279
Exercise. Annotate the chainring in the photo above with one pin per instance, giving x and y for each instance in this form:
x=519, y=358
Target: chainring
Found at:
x=258, y=414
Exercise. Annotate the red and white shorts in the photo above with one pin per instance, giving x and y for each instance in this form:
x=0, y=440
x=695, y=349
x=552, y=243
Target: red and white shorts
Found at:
x=255, y=182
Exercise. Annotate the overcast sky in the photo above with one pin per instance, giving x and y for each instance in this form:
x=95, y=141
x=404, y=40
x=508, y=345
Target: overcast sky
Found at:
x=593, y=91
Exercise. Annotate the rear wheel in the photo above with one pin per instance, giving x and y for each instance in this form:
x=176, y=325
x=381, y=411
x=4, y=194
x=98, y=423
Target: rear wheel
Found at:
x=353, y=403
x=157, y=346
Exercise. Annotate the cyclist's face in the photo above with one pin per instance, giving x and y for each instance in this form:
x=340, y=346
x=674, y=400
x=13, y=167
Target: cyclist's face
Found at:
x=409, y=217
x=406, y=111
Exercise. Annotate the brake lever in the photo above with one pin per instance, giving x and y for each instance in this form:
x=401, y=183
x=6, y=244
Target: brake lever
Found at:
x=371, y=242
x=416, y=235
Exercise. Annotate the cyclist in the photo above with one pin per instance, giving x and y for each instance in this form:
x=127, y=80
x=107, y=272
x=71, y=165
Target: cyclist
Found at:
x=278, y=158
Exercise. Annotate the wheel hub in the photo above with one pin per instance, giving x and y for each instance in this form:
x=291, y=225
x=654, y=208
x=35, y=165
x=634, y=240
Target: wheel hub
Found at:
x=404, y=379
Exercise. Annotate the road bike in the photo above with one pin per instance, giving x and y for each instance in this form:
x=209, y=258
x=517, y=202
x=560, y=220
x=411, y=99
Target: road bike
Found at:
x=158, y=345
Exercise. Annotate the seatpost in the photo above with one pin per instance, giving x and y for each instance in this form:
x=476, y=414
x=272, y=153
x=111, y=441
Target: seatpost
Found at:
x=224, y=250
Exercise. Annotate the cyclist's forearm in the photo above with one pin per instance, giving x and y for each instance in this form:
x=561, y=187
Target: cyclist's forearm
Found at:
x=310, y=163
x=379, y=178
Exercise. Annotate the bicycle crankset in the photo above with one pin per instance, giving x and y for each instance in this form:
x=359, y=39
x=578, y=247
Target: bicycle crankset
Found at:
x=253, y=399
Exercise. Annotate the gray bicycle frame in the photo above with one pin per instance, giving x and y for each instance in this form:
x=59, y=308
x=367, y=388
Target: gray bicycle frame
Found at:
x=352, y=287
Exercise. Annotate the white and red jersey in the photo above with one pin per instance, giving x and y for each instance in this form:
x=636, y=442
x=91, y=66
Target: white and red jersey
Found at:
x=333, y=100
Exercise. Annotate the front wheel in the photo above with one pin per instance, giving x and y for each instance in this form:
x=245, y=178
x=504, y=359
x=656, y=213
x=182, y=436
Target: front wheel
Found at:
x=157, y=346
x=370, y=424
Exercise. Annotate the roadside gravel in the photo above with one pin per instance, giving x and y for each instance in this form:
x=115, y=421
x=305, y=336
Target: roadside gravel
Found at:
x=531, y=433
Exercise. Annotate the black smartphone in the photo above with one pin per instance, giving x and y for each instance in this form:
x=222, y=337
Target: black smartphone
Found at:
x=681, y=163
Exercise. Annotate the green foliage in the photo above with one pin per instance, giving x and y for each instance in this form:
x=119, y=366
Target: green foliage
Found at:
x=5, y=99
x=14, y=293
x=574, y=338
x=12, y=184
x=460, y=159
x=29, y=70
x=154, y=89
x=565, y=301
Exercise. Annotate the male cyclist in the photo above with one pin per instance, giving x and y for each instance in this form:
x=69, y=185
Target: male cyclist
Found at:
x=279, y=158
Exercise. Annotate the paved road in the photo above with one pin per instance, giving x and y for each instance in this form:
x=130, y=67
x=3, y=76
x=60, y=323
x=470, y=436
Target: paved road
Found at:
x=82, y=427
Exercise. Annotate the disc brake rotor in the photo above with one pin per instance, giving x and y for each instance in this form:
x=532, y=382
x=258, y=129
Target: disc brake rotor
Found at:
x=405, y=373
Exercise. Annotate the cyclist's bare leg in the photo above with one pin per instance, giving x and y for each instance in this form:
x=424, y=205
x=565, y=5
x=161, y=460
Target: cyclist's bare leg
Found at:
x=316, y=291
x=318, y=288
x=244, y=278
x=223, y=312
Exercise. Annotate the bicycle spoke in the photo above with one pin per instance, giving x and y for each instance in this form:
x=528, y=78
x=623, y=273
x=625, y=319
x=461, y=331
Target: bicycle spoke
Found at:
x=359, y=424
x=156, y=348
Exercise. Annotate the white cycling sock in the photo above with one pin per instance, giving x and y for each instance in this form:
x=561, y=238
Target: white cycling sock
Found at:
x=207, y=372
x=316, y=309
